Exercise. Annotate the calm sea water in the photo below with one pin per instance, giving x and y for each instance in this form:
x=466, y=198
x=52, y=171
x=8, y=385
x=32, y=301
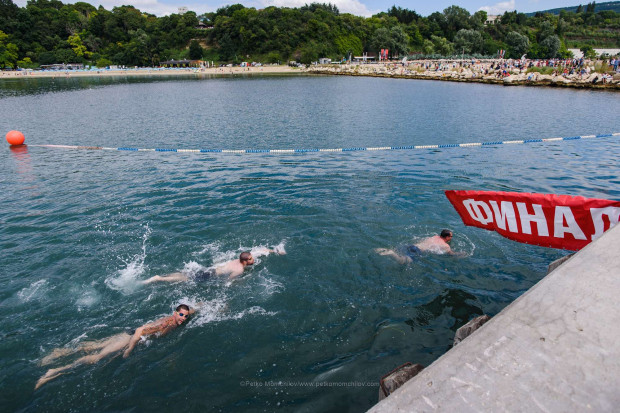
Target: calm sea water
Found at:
x=313, y=330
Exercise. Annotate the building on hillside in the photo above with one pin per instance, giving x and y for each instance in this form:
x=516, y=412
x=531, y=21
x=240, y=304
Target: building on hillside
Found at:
x=203, y=26
x=491, y=19
x=182, y=10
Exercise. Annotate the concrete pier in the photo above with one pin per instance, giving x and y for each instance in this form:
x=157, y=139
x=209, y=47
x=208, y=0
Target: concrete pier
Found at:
x=554, y=349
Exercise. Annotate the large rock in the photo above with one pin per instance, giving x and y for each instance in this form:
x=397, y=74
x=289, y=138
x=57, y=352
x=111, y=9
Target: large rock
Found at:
x=397, y=377
x=473, y=325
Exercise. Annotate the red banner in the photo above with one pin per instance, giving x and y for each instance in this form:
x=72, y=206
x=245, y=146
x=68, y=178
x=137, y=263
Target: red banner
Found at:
x=556, y=221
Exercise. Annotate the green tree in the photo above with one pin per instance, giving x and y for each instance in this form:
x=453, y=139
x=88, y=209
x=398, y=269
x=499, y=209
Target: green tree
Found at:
x=400, y=41
x=351, y=42
x=103, y=62
x=25, y=63
x=428, y=48
x=588, y=52
x=478, y=19
x=468, y=41
x=551, y=46
x=517, y=44
x=311, y=52
x=457, y=18
x=8, y=52
x=65, y=56
x=8, y=14
x=381, y=40
x=546, y=30
x=195, y=50
x=77, y=45
x=273, y=57
x=442, y=45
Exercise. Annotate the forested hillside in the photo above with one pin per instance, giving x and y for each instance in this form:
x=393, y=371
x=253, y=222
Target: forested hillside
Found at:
x=48, y=31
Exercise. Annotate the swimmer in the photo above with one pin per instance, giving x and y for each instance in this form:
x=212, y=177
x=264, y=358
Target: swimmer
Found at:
x=233, y=268
x=438, y=244
x=114, y=344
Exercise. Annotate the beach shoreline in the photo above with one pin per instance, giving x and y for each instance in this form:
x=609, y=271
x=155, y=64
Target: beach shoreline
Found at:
x=387, y=70
x=163, y=72
x=452, y=72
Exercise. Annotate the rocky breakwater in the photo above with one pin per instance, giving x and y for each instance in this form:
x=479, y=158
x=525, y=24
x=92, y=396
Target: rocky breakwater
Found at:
x=456, y=74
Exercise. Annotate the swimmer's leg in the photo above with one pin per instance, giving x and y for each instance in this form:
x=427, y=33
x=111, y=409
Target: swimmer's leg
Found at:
x=402, y=259
x=174, y=277
x=57, y=353
x=112, y=345
x=86, y=346
x=103, y=343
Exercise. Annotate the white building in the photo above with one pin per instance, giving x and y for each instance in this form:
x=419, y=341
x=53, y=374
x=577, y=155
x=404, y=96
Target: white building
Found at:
x=182, y=10
x=491, y=19
x=578, y=54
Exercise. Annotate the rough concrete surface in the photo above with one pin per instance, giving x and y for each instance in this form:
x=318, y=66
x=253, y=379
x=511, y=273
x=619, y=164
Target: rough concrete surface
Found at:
x=554, y=349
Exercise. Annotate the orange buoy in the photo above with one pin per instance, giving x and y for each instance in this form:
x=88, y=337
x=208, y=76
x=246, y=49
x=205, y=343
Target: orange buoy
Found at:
x=15, y=137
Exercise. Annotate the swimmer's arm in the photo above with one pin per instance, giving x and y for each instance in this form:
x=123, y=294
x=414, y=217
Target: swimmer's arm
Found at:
x=457, y=254
x=133, y=341
x=259, y=252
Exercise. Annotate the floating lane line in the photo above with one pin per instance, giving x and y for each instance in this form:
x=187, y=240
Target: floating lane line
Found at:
x=352, y=149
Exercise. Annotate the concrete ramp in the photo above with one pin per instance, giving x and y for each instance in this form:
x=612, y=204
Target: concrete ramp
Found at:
x=554, y=349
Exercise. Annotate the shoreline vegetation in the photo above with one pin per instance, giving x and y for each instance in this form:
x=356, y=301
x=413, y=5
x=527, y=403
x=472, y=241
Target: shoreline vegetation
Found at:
x=440, y=70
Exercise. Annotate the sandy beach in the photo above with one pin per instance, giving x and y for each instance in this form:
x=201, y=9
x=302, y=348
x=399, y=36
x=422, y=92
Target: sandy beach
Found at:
x=151, y=72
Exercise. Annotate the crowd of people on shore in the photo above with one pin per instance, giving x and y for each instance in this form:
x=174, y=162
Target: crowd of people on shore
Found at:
x=566, y=71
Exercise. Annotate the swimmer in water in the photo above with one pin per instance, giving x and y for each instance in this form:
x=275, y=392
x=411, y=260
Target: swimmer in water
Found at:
x=233, y=268
x=438, y=244
x=114, y=344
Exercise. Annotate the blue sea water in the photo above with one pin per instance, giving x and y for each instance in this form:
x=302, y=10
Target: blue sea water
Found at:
x=312, y=330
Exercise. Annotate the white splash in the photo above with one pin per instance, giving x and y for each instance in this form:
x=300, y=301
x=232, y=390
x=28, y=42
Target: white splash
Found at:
x=126, y=279
x=208, y=311
x=470, y=242
x=217, y=310
x=270, y=286
x=251, y=311
x=88, y=298
x=34, y=291
x=212, y=248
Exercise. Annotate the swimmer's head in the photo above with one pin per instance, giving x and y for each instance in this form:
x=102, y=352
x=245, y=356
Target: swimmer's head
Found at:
x=446, y=234
x=246, y=258
x=181, y=314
